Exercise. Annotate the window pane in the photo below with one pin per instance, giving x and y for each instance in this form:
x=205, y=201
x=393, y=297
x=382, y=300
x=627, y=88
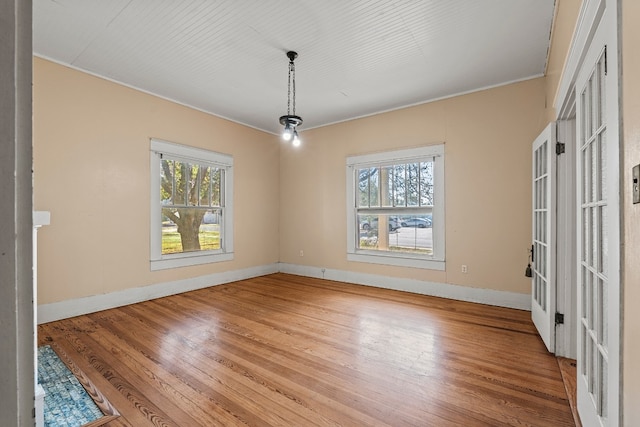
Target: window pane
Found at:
x=363, y=187
x=204, y=186
x=385, y=232
x=426, y=184
x=217, y=176
x=399, y=186
x=416, y=234
x=412, y=184
x=180, y=175
x=166, y=182
x=374, y=187
x=191, y=193
x=386, y=190
x=199, y=230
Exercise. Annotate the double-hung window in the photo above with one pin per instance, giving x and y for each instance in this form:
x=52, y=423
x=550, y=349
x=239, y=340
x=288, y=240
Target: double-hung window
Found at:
x=395, y=207
x=191, y=210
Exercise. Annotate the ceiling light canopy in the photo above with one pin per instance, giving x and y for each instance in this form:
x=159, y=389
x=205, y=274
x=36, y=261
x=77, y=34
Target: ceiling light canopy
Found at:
x=291, y=121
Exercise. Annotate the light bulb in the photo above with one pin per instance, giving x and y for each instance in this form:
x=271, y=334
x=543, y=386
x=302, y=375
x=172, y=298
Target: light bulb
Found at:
x=296, y=140
x=287, y=133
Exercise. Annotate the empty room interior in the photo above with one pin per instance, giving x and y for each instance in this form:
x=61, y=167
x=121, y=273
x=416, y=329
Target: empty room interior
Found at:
x=367, y=213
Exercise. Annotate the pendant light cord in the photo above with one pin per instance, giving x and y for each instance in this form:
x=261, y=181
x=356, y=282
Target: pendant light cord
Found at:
x=291, y=83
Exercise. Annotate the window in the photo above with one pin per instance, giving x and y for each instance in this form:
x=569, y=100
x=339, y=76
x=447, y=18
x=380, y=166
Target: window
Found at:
x=191, y=210
x=395, y=207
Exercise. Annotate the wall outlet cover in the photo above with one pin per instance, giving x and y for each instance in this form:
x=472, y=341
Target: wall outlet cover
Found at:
x=636, y=183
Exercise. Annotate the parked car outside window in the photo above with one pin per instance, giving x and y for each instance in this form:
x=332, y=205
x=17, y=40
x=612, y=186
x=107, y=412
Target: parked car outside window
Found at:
x=394, y=224
x=417, y=222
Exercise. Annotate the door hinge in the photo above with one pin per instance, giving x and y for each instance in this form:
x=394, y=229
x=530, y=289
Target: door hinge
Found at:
x=560, y=147
x=605, y=60
x=559, y=319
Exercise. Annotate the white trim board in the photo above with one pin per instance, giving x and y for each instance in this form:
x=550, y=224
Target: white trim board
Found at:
x=590, y=14
x=91, y=304
x=76, y=307
x=444, y=290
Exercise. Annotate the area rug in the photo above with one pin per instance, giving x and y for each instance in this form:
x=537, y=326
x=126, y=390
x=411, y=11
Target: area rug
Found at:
x=66, y=401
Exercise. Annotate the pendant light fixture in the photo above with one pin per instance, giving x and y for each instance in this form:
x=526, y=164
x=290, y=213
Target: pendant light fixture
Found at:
x=291, y=121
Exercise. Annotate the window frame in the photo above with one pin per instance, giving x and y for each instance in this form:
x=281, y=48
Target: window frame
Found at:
x=436, y=261
x=172, y=150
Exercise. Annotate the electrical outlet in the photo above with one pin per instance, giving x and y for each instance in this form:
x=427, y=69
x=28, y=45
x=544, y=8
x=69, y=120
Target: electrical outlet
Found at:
x=464, y=269
x=301, y=252
x=635, y=172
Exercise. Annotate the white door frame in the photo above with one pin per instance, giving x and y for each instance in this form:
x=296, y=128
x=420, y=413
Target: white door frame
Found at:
x=16, y=280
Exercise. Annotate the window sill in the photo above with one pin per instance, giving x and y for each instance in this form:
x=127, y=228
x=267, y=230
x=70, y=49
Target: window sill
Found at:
x=189, y=260
x=399, y=261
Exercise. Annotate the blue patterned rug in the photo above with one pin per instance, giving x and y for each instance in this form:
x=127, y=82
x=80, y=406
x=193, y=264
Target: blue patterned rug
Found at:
x=66, y=403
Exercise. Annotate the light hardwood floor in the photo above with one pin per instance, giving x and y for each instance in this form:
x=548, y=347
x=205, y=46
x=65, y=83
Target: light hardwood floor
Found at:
x=285, y=350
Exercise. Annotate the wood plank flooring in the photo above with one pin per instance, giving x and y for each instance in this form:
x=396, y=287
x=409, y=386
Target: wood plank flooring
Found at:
x=285, y=350
x=568, y=371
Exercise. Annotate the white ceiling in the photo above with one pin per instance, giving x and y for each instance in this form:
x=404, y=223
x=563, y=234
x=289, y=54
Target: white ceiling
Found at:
x=356, y=58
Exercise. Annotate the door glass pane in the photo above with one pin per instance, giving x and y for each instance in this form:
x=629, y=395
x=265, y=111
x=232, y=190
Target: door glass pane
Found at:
x=585, y=234
x=593, y=360
x=589, y=106
x=594, y=236
x=583, y=351
x=586, y=175
x=603, y=165
x=602, y=93
x=604, y=408
x=584, y=277
x=594, y=178
x=600, y=310
x=605, y=314
x=584, y=123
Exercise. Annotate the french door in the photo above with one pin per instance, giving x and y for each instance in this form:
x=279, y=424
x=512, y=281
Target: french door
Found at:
x=597, y=233
x=543, y=251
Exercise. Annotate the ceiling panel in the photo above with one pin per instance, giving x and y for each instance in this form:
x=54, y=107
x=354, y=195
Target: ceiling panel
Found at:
x=227, y=57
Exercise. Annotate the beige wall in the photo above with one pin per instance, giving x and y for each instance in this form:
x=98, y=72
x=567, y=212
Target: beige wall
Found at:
x=91, y=170
x=630, y=212
x=487, y=138
x=91, y=160
x=564, y=26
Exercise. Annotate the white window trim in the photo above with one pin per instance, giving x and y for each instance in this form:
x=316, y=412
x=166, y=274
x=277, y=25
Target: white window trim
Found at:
x=161, y=262
x=434, y=262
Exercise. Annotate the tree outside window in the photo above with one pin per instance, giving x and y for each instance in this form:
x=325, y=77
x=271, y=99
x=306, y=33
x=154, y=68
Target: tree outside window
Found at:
x=191, y=216
x=191, y=208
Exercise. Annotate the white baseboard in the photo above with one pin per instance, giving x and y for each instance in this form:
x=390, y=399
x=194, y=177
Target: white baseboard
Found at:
x=444, y=290
x=91, y=304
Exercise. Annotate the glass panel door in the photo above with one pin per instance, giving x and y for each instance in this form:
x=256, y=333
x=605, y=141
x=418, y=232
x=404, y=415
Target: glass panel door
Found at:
x=543, y=280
